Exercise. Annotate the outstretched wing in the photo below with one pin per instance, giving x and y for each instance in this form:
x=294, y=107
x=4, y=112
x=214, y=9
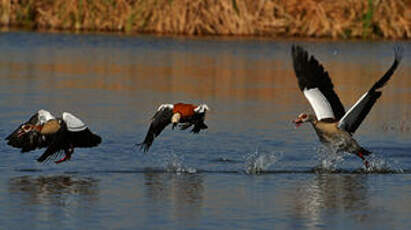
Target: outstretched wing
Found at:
x=354, y=117
x=316, y=85
x=160, y=120
x=27, y=137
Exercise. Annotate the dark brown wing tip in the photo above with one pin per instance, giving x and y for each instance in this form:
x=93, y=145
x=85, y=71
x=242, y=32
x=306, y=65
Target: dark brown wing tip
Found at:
x=298, y=52
x=398, y=53
x=144, y=147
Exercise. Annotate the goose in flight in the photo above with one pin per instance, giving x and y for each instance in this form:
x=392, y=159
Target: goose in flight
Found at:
x=57, y=134
x=333, y=125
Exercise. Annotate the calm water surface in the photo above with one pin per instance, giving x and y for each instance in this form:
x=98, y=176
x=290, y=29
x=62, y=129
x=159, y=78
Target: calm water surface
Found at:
x=250, y=170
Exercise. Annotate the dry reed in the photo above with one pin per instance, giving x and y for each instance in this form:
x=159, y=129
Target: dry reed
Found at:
x=308, y=18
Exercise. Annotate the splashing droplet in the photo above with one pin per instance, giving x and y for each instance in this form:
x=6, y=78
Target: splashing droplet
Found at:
x=174, y=164
x=381, y=165
x=257, y=162
x=329, y=158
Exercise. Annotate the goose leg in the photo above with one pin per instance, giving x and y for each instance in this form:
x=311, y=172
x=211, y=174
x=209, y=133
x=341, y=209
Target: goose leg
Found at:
x=361, y=155
x=67, y=156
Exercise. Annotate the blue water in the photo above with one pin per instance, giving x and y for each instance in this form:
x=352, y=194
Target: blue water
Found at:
x=250, y=170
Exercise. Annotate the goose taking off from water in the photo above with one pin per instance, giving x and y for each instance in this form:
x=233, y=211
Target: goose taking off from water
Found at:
x=186, y=115
x=332, y=124
x=57, y=134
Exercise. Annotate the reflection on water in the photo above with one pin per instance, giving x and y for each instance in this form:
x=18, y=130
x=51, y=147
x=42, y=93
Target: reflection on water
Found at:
x=327, y=194
x=183, y=192
x=60, y=190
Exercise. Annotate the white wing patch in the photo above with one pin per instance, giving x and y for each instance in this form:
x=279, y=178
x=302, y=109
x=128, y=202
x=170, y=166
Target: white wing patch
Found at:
x=341, y=123
x=44, y=116
x=201, y=108
x=165, y=106
x=319, y=102
x=73, y=123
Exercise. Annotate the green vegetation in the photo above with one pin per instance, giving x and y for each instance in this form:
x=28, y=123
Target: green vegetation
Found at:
x=368, y=19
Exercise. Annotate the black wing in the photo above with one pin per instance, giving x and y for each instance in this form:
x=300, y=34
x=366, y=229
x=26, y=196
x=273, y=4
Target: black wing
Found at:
x=160, y=120
x=354, y=117
x=311, y=75
x=197, y=120
x=84, y=139
x=65, y=139
x=27, y=139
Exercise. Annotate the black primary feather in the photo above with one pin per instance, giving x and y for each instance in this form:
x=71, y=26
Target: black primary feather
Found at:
x=354, y=117
x=384, y=79
x=311, y=74
x=160, y=120
x=83, y=139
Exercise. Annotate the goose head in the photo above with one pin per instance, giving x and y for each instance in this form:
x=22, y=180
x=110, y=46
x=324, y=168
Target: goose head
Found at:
x=303, y=118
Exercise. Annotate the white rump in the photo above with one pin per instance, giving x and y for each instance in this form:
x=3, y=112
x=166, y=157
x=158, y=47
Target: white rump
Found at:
x=73, y=123
x=201, y=108
x=320, y=104
x=44, y=116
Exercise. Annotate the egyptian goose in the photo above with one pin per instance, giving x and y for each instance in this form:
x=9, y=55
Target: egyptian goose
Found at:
x=332, y=124
x=57, y=134
x=185, y=114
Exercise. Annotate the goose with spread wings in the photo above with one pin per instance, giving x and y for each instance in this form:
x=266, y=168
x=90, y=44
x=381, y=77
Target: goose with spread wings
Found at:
x=186, y=115
x=332, y=124
x=57, y=134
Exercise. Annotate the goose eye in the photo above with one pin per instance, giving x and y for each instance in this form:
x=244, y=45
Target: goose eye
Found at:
x=304, y=116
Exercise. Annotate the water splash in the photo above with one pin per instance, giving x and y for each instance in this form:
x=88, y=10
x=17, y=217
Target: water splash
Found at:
x=258, y=162
x=175, y=164
x=329, y=158
x=378, y=164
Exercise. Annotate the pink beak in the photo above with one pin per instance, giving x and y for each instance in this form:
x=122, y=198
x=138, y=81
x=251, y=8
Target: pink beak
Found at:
x=298, y=122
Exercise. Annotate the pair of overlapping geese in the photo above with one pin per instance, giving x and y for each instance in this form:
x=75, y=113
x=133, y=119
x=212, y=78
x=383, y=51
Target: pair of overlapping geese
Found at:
x=334, y=126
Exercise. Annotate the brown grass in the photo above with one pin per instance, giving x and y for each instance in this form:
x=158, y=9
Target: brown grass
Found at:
x=297, y=18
